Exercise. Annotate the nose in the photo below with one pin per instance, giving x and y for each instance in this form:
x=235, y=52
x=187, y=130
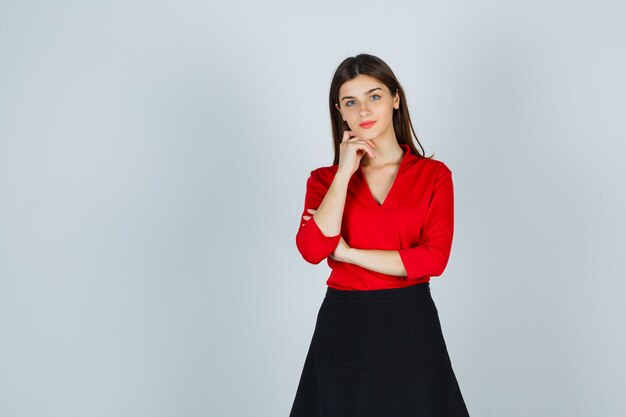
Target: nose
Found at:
x=364, y=109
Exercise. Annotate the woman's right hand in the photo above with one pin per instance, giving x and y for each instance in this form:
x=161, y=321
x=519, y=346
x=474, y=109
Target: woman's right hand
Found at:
x=351, y=150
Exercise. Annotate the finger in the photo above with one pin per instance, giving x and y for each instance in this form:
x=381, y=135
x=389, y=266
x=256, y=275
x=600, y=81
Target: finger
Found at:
x=372, y=146
x=354, y=138
x=311, y=210
x=369, y=142
x=357, y=139
x=366, y=148
x=306, y=217
x=347, y=134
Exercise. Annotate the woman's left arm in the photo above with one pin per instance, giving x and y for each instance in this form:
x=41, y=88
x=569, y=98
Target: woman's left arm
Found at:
x=431, y=256
x=384, y=261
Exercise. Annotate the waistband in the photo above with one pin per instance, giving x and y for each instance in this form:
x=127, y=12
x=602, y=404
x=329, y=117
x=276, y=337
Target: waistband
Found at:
x=422, y=288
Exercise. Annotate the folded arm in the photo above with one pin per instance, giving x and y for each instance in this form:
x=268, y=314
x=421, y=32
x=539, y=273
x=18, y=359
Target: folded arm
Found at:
x=431, y=256
x=319, y=235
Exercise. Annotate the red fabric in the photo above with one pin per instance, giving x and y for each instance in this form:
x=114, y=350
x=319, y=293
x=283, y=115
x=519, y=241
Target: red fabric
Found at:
x=416, y=219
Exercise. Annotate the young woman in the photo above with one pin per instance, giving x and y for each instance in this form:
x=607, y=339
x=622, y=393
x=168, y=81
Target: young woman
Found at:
x=382, y=216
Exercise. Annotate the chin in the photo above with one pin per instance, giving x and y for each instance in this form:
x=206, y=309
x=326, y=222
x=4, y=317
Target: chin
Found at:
x=369, y=135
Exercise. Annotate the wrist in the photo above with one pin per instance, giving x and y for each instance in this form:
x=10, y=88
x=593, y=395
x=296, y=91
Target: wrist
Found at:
x=343, y=175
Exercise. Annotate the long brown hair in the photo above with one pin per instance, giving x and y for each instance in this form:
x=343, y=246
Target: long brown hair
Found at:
x=374, y=67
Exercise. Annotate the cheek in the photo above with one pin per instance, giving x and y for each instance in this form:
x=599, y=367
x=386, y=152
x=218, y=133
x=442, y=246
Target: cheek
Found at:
x=353, y=117
x=384, y=114
x=383, y=109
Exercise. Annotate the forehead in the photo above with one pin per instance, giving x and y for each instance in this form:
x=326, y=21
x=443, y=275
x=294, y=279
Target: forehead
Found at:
x=359, y=85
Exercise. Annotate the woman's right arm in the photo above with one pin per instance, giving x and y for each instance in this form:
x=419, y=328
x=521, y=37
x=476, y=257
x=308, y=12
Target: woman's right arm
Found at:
x=319, y=235
x=330, y=211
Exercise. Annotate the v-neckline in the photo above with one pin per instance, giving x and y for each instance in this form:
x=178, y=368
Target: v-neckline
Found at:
x=407, y=150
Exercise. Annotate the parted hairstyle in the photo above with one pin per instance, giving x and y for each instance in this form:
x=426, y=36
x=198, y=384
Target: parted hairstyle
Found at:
x=374, y=67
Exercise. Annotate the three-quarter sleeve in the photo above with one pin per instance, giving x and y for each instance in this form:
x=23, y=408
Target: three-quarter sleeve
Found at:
x=312, y=244
x=431, y=256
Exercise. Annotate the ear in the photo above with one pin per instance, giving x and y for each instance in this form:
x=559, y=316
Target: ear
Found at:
x=337, y=107
x=396, y=100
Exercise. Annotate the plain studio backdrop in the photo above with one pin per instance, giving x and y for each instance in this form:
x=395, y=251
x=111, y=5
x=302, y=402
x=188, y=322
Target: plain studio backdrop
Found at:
x=153, y=162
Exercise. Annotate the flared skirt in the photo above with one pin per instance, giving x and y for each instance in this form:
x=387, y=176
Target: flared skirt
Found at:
x=378, y=353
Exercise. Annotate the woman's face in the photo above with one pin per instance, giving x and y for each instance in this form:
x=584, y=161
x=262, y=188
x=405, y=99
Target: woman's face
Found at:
x=364, y=98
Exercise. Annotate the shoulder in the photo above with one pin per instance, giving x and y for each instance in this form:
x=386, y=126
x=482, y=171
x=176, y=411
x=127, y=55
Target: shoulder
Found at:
x=430, y=166
x=441, y=173
x=442, y=168
x=325, y=170
x=323, y=175
x=437, y=165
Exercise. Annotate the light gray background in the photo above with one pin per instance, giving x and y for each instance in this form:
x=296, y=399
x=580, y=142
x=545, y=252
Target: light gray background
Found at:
x=153, y=160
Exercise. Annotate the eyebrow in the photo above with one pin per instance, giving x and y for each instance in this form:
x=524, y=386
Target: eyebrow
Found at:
x=366, y=93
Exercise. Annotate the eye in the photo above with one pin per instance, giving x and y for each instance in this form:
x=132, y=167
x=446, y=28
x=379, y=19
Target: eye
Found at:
x=373, y=95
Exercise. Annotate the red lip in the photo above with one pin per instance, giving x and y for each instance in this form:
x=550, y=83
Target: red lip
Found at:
x=368, y=124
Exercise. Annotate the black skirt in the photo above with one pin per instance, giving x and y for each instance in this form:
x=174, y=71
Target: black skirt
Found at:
x=378, y=353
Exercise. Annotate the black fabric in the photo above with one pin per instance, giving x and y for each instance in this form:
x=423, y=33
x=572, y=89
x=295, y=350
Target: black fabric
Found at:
x=378, y=353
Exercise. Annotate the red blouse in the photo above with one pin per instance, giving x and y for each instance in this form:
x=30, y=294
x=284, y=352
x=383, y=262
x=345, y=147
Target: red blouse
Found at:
x=416, y=219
